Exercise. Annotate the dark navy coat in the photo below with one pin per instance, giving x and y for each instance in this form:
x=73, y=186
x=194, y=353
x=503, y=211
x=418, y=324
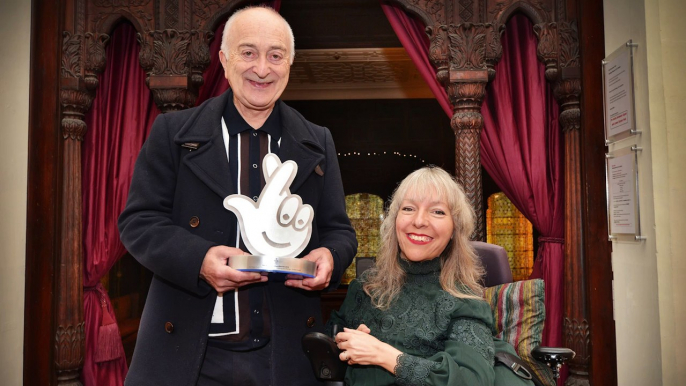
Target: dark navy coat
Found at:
x=181, y=177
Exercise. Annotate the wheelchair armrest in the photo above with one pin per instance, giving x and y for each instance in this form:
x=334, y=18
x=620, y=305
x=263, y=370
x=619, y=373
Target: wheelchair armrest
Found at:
x=323, y=353
x=554, y=357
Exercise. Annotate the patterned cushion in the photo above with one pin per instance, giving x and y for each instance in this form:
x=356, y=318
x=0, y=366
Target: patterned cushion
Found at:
x=519, y=313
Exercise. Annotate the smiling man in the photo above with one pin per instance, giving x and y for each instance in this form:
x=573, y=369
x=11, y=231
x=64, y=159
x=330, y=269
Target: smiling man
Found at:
x=205, y=323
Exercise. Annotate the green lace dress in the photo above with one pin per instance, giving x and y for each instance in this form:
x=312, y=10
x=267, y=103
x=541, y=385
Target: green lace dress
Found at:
x=445, y=340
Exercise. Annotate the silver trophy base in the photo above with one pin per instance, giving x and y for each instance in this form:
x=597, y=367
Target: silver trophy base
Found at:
x=290, y=265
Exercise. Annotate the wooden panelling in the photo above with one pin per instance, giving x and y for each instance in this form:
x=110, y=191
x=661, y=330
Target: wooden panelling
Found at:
x=597, y=248
x=43, y=204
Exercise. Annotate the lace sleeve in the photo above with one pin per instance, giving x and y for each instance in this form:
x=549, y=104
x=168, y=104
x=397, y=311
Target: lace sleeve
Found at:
x=475, y=335
x=414, y=370
x=411, y=370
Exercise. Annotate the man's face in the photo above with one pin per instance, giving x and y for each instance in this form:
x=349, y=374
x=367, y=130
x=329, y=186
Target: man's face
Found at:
x=258, y=62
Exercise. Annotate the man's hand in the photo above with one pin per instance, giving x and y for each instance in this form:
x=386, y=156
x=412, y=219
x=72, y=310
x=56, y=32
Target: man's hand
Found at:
x=324, y=260
x=359, y=347
x=220, y=276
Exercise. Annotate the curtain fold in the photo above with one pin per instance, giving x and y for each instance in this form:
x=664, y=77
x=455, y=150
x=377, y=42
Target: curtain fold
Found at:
x=412, y=35
x=214, y=81
x=522, y=150
x=118, y=123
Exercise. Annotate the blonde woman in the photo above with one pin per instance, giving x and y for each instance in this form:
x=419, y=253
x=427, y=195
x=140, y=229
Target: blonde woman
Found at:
x=417, y=317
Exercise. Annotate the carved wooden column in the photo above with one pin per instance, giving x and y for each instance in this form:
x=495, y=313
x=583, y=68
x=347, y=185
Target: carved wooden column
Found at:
x=466, y=92
x=70, y=335
x=83, y=57
x=576, y=325
x=558, y=48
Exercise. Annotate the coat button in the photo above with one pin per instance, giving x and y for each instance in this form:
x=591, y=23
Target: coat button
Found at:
x=195, y=221
x=310, y=321
x=169, y=327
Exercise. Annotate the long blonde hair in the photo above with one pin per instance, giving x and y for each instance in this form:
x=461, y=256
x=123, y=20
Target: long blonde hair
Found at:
x=461, y=270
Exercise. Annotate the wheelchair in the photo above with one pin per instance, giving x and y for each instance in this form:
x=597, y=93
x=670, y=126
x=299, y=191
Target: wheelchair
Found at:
x=323, y=352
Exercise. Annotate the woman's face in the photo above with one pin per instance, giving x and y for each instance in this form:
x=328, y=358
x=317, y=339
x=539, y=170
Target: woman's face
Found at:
x=424, y=227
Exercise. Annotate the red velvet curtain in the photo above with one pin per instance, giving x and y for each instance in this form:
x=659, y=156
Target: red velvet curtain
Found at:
x=215, y=82
x=118, y=123
x=522, y=150
x=412, y=35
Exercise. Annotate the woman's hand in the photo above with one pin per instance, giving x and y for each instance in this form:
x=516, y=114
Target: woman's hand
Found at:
x=359, y=347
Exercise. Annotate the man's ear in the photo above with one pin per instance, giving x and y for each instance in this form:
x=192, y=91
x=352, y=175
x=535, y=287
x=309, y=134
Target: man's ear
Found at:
x=222, y=58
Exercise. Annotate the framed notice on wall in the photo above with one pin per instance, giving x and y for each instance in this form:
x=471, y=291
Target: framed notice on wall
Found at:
x=618, y=94
x=623, y=209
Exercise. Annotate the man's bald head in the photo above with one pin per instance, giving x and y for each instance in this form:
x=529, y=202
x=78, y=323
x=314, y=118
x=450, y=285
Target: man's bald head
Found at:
x=259, y=11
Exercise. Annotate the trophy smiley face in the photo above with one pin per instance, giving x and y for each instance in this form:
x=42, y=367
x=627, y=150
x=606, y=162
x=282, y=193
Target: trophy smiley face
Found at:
x=278, y=224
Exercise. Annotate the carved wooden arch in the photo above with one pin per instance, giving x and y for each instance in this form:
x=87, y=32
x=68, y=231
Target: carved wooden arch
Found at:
x=465, y=45
x=110, y=23
x=535, y=14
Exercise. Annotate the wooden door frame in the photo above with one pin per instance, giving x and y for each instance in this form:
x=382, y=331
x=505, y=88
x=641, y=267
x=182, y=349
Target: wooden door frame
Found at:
x=43, y=198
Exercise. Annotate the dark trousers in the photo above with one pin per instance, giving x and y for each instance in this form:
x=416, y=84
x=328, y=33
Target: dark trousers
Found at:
x=236, y=368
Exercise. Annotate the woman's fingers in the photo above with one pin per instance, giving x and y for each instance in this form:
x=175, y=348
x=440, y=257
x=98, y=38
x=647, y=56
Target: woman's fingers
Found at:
x=363, y=328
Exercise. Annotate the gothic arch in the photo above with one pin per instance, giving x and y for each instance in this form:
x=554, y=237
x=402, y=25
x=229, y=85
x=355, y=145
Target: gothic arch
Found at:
x=108, y=24
x=537, y=15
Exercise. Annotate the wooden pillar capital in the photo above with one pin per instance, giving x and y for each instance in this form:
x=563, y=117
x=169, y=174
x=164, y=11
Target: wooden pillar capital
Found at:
x=174, y=61
x=567, y=93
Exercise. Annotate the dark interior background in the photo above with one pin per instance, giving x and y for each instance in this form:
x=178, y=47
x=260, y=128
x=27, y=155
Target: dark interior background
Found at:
x=405, y=134
x=338, y=24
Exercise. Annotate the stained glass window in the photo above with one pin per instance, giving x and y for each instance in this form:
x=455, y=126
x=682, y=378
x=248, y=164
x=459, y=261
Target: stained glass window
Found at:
x=506, y=226
x=366, y=213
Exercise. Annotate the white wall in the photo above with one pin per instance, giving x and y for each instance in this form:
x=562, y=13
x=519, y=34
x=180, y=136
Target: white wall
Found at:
x=650, y=276
x=15, y=28
x=665, y=21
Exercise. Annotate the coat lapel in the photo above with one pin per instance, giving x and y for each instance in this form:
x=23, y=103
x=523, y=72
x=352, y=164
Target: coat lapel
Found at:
x=299, y=144
x=209, y=162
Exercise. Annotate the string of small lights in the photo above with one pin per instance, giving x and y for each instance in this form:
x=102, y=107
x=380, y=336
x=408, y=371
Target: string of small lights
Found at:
x=395, y=153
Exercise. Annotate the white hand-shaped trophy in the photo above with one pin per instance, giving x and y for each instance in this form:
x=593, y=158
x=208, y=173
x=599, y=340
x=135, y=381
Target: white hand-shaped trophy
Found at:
x=277, y=227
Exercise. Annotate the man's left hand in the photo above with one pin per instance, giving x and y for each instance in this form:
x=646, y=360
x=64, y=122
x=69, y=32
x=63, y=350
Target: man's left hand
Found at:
x=324, y=260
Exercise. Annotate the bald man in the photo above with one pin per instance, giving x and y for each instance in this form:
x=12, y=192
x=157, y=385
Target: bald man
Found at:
x=205, y=323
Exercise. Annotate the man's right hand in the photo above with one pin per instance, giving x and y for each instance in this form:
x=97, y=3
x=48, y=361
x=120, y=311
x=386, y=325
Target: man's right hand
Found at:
x=216, y=272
